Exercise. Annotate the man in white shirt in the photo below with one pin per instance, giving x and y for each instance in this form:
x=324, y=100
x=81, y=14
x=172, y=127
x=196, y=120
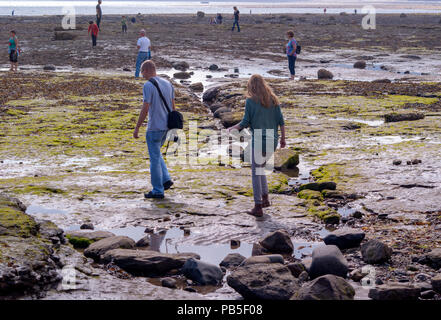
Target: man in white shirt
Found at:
x=144, y=54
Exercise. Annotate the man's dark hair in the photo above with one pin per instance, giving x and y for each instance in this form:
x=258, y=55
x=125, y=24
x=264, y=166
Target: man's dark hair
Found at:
x=13, y=31
x=90, y=22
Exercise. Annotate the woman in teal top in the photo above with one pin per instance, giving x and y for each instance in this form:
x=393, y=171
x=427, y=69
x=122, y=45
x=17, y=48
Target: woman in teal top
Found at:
x=13, y=50
x=264, y=117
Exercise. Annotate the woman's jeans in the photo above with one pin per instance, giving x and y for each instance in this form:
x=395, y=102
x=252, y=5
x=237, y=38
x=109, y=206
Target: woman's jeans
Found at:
x=236, y=23
x=292, y=64
x=261, y=152
x=142, y=56
x=158, y=170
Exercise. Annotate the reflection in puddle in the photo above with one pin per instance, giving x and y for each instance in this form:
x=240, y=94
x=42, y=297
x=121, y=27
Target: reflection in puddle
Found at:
x=35, y=209
x=304, y=249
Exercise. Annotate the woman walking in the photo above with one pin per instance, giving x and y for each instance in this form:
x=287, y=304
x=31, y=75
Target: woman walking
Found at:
x=13, y=50
x=264, y=116
x=291, y=48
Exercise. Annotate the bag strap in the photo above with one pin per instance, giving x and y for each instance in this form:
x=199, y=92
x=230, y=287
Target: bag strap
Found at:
x=155, y=83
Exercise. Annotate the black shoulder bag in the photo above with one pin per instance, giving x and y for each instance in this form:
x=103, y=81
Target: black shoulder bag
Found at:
x=175, y=119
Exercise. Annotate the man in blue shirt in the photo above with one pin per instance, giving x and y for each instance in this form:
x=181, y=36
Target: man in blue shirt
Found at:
x=236, y=19
x=157, y=127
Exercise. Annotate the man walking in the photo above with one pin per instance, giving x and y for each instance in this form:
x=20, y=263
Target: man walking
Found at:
x=99, y=13
x=157, y=126
x=144, y=54
x=93, y=31
x=236, y=19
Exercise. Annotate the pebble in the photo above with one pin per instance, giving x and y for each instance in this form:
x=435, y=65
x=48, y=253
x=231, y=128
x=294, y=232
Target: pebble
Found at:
x=397, y=162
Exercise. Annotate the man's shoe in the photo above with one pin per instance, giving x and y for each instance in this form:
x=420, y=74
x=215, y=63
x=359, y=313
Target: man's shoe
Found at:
x=168, y=184
x=151, y=195
x=256, y=211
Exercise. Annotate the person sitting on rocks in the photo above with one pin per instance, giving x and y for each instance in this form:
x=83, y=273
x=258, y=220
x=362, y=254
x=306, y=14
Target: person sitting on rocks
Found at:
x=264, y=116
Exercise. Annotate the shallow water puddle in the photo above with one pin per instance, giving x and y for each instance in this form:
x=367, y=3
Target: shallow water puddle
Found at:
x=346, y=211
x=390, y=139
x=36, y=209
x=371, y=123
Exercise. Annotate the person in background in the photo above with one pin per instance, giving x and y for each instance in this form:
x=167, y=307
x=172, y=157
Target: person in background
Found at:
x=291, y=48
x=99, y=13
x=157, y=129
x=13, y=11
x=93, y=31
x=236, y=19
x=219, y=18
x=144, y=52
x=124, y=24
x=13, y=50
x=264, y=116
x=324, y=11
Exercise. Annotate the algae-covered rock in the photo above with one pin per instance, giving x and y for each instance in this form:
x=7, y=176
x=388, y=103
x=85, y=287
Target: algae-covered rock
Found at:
x=327, y=215
x=285, y=158
x=310, y=195
x=82, y=239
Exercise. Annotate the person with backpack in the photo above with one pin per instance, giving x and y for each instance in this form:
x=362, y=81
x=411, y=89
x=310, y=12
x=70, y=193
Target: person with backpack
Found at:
x=264, y=116
x=159, y=95
x=291, y=53
x=13, y=50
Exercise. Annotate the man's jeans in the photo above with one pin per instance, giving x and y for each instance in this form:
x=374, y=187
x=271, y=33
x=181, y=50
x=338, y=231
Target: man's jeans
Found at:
x=142, y=56
x=236, y=23
x=158, y=170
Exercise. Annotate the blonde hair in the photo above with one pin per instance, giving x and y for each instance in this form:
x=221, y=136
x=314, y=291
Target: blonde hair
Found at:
x=148, y=65
x=260, y=91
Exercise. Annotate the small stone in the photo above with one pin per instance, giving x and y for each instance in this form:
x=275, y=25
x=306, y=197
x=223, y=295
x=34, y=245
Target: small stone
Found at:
x=149, y=230
x=168, y=283
x=394, y=291
x=87, y=226
x=296, y=268
x=303, y=276
x=213, y=67
x=357, y=275
x=416, y=161
x=397, y=162
x=436, y=283
x=189, y=289
x=143, y=242
x=232, y=260
x=270, y=258
x=357, y=215
x=234, y=243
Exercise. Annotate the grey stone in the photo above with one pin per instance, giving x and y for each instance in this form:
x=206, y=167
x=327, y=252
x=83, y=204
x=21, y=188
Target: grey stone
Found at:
x=345, y=238
x=375, y=252
x=221, y=110
x=96, y=249
x=328, y=260
x=143, y=242
x=210, y=94
x=394, y=291
x=182, y=75
x=278, y=242
x=296, y=268
x=324, y=74
x=327, y=287
x=198, y=87
x=270, y=258
x=397, y=117
x=202, y=272
x=433, y=258
x=87, y=226
x=49, y=67
x=360, y=65
x=181, y=65
x=168, y=283
x=266, y=281
x=232, y=260
x=258, y=250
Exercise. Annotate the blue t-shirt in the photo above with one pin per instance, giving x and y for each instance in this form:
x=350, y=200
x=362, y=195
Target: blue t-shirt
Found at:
x=290, y=47
x=158, y=114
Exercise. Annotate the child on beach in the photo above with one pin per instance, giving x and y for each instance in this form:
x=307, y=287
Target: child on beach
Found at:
x=264, y=116
x=13, y=50
x=93, y=31
x=124, y=24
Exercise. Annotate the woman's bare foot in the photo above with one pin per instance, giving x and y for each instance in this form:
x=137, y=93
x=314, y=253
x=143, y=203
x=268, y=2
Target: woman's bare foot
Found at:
x=265, y=201
x=256, y=211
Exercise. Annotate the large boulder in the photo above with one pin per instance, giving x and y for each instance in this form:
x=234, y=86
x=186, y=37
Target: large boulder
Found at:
x=278, y=242
x=436, y=283
x=345, y=238
x=146, y=262
x=325, y=74
x=97, y=249
x=327, y=287
x=210, y=94
x=264, y=281
x=394, y=291
x=285, y=159
x=375, y=252
x=202, y=272
x=328, y=260
x=232, y=260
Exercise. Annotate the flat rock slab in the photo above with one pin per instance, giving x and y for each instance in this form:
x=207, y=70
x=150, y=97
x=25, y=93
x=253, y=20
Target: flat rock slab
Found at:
x=232, y=260
x=270, y=258
x=394, y=291
x=97, y=249
x=328, y=287
x=146, y=262
x=397, y=117
x=91, y=235
x=263, y=281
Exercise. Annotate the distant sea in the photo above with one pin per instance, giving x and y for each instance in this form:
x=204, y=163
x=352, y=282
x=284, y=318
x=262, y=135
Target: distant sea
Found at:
x=128, y=7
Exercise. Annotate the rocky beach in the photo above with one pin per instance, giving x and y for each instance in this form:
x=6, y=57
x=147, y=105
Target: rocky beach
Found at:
x=356, y=211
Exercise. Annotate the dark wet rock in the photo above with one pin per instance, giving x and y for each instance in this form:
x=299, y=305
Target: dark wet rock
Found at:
x=328, y=259
x=182, y=75
x=436, y=283
x=396, y=162
x=278, y=242
x=234, y=243
x=324, y=74
x=285, y=158
x=345, y=238
x=357, y=215
x=149, y=230
x=87, y=226
x=396, y=117
x=208, y=76
x=421, y=277
x=271, y=281
x=351, y=126
x=310, y=186
x=49, y=67
x=210, y=94
x=328, y=185
x=327, y=287
x=303, y=276
x=360, y=65
x=97, y=249
x=394, y=291
x=356, y=275
x=219, y=111
x=181, y=66
x=375, y=252
x=127, y=69
x=202, y=272
x=416, y=161
x=213, y=67
x=143, y=242
x=258, y=250
x=269, y=258
x=403, y=15
x=296, y=268
x=190, y=289
x=325, y=61
x=168, y=283
x=146, y=262
x=215, y=106
x=82, y=239
x=198, y=87
x=382, y=80
x=429, y=294
x=432, y=259
x=410, y=56
x=200, y=14
x=232, y=260
x=229, y=119
x=64, y=36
